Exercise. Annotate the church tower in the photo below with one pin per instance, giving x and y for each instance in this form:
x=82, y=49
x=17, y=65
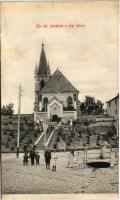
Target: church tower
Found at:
x=41, y=75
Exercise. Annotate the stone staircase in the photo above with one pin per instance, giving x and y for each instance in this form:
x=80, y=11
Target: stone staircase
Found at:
x=45, y=138
x=40, y=144
x=53, y=140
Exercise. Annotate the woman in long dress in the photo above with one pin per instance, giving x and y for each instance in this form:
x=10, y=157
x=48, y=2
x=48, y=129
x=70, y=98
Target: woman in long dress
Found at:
x=54, y=160
x=71, y=159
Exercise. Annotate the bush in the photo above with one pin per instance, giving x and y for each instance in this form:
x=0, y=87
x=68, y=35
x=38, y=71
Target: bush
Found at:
x=12, y=148
x=55, y=146
x=72, y=134
x=58, y=139
x=10, y=122
x=21, y=137
x=6, y=124
x=21, y=128
x=63, y=137
x=7, y=145
x=2, y=142
x=11, y=134
x=7, y=110
x=27, y=142
x=25, y=147
x=35, y=134
x=68, y=143
x=70, y=139
x=15, y=143
x=26, y=132
x=30, y=140
x=9, y=139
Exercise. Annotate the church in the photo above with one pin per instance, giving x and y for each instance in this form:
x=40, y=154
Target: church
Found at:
x=56, y=98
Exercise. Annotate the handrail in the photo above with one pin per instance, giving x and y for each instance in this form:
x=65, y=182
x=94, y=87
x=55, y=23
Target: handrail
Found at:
x=47, y=143
x=40, y=137
x=97, y=153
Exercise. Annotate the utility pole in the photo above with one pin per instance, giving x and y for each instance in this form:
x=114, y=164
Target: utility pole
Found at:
x=18, y=131
x=45, y=127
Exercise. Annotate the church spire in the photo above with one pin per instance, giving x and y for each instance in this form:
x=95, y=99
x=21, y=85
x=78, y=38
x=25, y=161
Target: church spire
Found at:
x=43, y=68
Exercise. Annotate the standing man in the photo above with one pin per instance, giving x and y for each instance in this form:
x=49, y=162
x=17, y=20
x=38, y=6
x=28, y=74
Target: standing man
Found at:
x=37, y=157
x=47, y=156
x=32, y=156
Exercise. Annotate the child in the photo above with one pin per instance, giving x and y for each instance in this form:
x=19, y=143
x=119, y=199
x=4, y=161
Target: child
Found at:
x=70, y=159
x=37, y=157
x=54, y=158
x=76, y=161
x=25, y=159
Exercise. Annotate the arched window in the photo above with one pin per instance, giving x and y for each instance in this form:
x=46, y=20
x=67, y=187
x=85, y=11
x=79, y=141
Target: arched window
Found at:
x=45, y=103
x=70, y=102
x=42, y=83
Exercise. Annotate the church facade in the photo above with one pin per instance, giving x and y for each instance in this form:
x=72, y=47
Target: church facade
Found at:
x=55, y=97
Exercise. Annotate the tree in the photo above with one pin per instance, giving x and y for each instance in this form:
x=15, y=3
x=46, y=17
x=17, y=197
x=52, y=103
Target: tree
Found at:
x=111, y=132
x=7, y=110
x=91, y=106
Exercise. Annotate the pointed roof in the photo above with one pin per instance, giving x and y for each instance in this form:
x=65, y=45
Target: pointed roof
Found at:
x=55, y=98
x=43, y=67
x=58, y=83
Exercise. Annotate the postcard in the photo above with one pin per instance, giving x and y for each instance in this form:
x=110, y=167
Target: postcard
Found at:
x=60, y=100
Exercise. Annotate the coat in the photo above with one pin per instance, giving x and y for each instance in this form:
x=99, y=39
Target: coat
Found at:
x=47, y=156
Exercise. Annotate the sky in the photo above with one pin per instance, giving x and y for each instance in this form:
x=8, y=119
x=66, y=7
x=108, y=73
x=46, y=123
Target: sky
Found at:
x=87, y=54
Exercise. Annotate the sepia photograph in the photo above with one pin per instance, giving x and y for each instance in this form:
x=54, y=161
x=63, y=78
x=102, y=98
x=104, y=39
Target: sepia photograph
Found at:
x=59, y=100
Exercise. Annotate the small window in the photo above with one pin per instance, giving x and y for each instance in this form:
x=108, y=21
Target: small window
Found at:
x=74, y=97
x=42, y=83
x=45, y=104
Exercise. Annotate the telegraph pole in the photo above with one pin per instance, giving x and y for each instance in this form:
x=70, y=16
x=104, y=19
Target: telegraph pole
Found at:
x=45, y=132
x=18, y=131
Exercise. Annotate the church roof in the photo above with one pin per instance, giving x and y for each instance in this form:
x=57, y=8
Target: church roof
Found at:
x=58, y=83
x=43, y=67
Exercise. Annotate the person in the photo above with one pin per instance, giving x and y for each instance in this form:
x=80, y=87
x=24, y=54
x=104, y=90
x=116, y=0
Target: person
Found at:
x=70, y=158
x=81, y=160
x=37, y=157
x=76, y=161
x=98, y=140
x=54, y=158
x=47, y=156
x=32, y=156
x=71, y=125
x=25, y=158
